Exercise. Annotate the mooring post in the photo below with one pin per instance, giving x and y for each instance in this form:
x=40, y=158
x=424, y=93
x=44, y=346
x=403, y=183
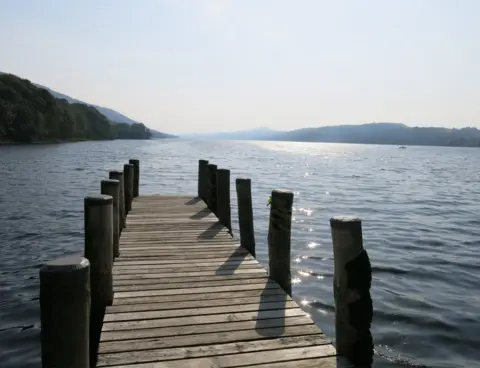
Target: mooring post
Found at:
x=128, y=183
x=112, y=188
x=223, y=198
x=212, y=187
x=99, y=246
x=65, y=312
x=136, y=176
x=352, y=281
x=99, y=251
x=202, y=178
x=279, y=234
x=118, y=175
x=245, y=214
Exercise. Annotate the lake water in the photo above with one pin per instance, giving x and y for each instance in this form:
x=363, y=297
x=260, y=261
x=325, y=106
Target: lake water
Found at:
x=421, y=223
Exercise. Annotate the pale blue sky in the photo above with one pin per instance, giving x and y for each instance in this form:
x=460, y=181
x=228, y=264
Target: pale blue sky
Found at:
x=194, y=65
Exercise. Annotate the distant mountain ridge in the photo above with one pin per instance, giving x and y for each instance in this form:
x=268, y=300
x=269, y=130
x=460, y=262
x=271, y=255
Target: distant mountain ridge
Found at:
x=371, y=133
x=111, y=114
x=385, y=133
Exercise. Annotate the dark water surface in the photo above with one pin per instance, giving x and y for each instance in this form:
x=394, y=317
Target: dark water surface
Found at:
x=420, y=210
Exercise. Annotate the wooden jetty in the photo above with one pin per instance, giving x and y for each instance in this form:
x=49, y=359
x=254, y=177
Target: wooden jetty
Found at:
x=176, y=289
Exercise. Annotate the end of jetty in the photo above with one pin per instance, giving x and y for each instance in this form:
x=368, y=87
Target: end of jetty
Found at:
x=163, y=283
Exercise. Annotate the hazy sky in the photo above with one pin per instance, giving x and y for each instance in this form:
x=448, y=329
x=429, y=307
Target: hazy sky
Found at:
x=203, y=65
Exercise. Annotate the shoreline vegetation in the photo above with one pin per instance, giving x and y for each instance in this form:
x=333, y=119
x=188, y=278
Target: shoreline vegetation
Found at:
x=31, y=114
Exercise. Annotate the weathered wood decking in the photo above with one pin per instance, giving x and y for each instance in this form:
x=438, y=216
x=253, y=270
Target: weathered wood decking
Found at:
x=187, y=295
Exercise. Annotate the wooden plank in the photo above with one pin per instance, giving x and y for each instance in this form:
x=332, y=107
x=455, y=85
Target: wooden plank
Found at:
x=201, y=273
x=176, y=233
x=226, y=250
x=144, y=356
x=264, y=309
x=198, y=297
x=168, y=263
x=144, y=333
x=188, y=255
x=161, y=305
x=324, y=362
x=192, y=241
x=192, y=268
x=184, y=256
x=195, y=284
x=200, y=290
x=198, y=320
x=178, y=238
x=150, y=311
x=245, y=278
x=322, y=356
x=206, y=338
x=185, y=247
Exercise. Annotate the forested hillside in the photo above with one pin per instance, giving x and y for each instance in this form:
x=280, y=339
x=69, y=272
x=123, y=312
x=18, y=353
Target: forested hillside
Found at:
x=31, y=114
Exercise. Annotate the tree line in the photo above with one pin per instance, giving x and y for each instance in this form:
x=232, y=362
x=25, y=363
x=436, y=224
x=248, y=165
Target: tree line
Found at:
x=31, y=114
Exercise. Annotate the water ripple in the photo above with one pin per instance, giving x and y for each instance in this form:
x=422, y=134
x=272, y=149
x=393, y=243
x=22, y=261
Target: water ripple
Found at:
x=420, y=220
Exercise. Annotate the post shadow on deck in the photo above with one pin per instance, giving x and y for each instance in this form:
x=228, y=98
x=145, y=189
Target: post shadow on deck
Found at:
x=212, y=231
x=232, y=263
x=200, y=214
x=271, y=322
x=192, y=201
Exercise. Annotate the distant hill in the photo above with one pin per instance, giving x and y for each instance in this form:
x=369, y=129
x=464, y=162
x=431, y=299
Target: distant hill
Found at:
x=372, y=133
x=111, y=115
x=252, y=134
x=157, y=134
x=384, y=133
x=30, y=113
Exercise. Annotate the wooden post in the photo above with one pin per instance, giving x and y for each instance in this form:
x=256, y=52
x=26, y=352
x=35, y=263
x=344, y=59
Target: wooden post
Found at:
x=245, y=214
x=136, y=177
x=65, y=312
x=279, y=232
x=223, y=198
x=99, y=247
x=118, y=175
x=212, y=187
x=352, y=281
x=128, y=183
x=99, y=251
x=202, y=178
x=112, y=188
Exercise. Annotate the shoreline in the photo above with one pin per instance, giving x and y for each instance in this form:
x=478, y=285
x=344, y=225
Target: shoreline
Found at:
x=13, y=143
